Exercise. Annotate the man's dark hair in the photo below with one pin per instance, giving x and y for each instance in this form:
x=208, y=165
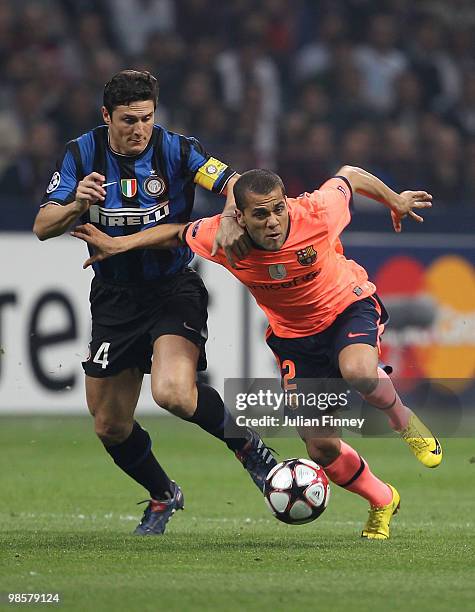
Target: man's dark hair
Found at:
x=130, y=86
x=257, y=181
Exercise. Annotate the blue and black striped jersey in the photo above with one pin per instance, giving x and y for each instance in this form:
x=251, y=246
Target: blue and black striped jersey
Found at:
x=157, y=186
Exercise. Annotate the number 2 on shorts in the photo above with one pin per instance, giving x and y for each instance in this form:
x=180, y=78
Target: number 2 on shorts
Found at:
x=101, y=356
x=288, y=365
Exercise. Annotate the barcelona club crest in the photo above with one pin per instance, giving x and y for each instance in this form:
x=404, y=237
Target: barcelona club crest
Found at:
x=307, y=256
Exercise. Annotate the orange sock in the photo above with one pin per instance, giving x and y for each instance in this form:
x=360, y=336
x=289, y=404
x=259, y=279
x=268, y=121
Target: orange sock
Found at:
x=385, y=398
x=351, y=472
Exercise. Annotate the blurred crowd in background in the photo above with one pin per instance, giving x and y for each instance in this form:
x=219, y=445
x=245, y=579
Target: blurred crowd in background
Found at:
x=299, y=86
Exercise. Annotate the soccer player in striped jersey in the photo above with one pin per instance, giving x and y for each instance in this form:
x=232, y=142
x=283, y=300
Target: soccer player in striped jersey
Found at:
x=325, y=319
x=126, y=176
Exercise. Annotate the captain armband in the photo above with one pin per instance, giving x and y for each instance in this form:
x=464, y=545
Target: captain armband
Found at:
x=213, y=175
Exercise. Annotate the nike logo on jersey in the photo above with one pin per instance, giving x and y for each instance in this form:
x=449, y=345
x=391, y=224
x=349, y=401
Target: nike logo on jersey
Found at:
x=352, y=335
x=120, y=217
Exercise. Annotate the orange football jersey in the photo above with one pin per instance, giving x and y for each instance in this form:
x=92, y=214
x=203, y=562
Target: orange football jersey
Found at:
x=307, y=283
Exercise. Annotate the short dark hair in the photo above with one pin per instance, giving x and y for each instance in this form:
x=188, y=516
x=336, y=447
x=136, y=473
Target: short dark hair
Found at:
x=130, y=86
x=259, y=181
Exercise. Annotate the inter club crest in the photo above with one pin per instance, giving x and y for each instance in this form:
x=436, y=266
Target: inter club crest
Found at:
x=307, y=256
x=154, y=186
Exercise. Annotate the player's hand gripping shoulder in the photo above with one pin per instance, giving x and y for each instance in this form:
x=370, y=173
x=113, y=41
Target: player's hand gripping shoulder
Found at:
x=406, y=203
x=232, y=238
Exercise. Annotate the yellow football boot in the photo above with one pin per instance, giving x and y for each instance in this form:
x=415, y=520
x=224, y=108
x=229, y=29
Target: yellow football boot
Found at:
x=422, y=442
x=377, y=526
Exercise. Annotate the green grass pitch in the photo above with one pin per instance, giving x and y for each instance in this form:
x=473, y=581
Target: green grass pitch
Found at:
x=66, y=513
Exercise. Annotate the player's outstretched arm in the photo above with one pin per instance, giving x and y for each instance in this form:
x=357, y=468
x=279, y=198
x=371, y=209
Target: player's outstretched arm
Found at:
x=161, y=237
x=401, y=204
x=53, y=219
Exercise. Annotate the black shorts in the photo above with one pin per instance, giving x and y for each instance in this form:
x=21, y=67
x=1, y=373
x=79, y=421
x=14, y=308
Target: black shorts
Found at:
x=126, y=321
x=316, y=356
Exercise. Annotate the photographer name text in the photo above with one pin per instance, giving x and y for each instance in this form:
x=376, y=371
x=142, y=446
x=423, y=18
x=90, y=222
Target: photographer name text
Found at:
x=326, y=420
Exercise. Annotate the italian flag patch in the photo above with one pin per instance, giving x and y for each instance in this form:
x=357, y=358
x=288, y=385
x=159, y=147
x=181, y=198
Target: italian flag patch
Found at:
x=128, y=187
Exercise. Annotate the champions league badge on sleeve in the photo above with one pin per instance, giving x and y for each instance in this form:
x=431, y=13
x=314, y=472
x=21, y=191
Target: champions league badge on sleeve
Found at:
x=54, y=182
x=196, y=227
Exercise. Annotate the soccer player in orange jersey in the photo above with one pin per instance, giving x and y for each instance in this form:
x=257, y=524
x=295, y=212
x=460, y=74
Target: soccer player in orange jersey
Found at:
x=325, y=319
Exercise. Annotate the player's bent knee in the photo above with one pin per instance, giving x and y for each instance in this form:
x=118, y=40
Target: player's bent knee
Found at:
x=175, y=398
x=110, y=432
x=323, y=450
x=363, y=377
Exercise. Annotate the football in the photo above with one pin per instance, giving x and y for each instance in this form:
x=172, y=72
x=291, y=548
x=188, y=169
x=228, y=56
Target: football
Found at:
x=297, y=491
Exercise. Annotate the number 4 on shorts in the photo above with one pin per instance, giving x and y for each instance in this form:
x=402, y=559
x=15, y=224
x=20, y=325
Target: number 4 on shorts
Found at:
x=102, y=354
